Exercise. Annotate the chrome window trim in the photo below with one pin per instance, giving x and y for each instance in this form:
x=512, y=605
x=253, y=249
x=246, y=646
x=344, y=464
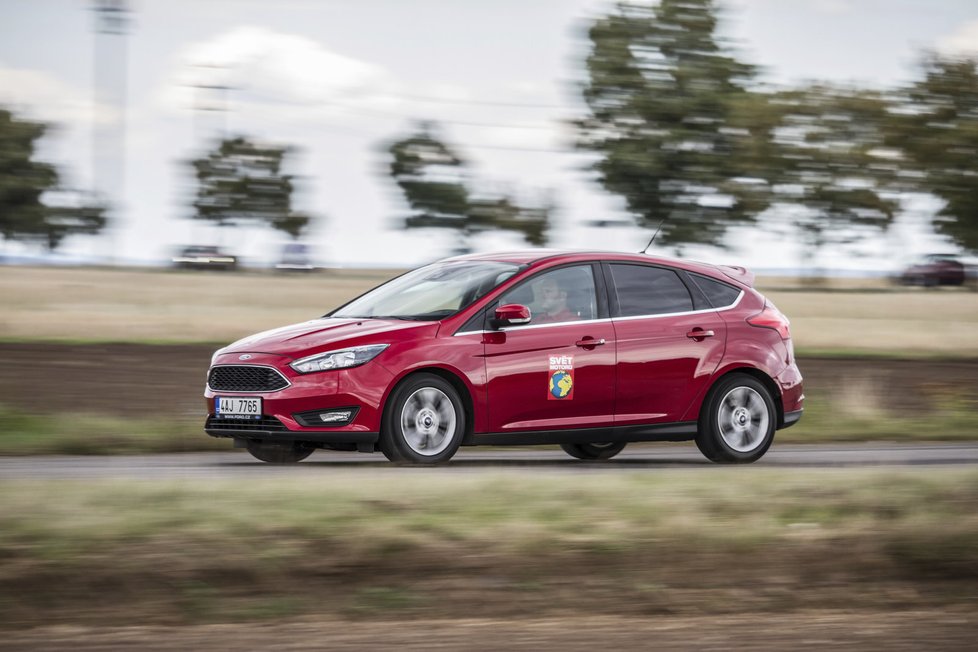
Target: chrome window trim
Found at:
x=521, y=328
x=710, y=278
x=612, y=319
x=233, y=391
x=685, y=312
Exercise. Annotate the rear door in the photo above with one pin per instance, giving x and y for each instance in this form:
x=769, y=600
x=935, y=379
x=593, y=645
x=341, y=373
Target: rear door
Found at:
x=669, y=342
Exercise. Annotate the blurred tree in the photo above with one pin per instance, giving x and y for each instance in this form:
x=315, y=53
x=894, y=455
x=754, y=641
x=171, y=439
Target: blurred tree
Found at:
x=24, y=185
x=671, y=116
x=935, y=121
x=831, y=158
x=242, y=181
x=66, y=219
x=433, y=179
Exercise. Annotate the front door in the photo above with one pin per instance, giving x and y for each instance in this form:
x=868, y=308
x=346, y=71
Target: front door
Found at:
x=558, y=371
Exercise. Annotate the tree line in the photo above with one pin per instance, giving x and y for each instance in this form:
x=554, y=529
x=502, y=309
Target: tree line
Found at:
x=681, y=128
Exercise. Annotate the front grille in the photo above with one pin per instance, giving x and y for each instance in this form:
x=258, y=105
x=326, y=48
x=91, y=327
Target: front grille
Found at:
x=245, y=378
x=265, y=424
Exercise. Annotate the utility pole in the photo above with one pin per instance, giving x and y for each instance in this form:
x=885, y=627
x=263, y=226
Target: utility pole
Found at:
x=211, y=104
x=109, y=120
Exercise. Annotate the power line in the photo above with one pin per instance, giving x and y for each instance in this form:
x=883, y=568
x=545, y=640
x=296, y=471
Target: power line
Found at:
x=464, y=123
x=400, y=116
x=443, y=100
x=510, y=148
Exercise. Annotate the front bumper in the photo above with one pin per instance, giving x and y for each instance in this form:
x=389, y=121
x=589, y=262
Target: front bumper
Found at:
x=271, y=429
x=360, y=388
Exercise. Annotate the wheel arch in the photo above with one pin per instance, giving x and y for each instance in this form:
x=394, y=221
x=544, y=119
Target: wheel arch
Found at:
x=455, y=381
x=758, y=375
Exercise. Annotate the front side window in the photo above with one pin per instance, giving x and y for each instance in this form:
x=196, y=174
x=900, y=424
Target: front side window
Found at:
x=561, y=295
x=644, y=290
x=429, y=293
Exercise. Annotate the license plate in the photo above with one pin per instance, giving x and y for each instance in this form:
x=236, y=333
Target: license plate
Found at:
x=234, y=407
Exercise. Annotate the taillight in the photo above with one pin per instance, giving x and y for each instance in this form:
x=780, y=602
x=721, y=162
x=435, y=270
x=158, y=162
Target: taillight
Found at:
x=771, y=318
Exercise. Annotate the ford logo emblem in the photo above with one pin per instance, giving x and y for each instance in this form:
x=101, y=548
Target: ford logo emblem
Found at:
x=246, y=356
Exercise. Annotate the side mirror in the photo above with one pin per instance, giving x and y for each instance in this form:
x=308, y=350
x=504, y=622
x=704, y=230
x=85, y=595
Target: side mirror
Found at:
x=511, y=314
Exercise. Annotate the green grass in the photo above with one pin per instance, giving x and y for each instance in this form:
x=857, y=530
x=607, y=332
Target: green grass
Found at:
x=716, y=541
x=22, y=433
x=952, y=420
x=860, y=409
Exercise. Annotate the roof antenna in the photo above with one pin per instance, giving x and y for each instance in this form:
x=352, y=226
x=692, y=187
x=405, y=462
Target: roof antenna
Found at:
x=653, y=235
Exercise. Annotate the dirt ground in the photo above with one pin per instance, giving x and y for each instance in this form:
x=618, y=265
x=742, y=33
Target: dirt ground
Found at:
x=900, y=630
x=147, y=380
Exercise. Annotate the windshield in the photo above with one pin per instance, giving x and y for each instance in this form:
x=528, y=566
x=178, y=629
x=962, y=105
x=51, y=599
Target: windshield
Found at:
x=430, y=293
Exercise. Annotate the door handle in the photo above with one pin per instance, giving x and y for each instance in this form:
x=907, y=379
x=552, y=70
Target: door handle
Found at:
x=699, y=334
x=589, y=342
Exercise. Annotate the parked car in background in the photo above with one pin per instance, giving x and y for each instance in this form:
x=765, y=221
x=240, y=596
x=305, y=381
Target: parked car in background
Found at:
x=205, y=257
x=590, y=351
x=295, y=258
x=933, y=270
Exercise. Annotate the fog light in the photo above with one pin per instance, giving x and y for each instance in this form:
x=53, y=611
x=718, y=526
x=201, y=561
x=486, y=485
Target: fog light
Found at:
x=336, y=416
x=327, y=418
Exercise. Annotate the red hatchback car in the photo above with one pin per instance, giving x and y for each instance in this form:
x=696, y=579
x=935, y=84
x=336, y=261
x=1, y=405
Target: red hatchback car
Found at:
x=590, y=351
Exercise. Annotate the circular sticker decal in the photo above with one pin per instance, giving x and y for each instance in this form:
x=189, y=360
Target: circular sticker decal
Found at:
x=561, y=384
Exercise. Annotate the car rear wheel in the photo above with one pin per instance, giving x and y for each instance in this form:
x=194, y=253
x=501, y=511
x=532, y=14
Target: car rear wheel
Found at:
x=603, y=451
x=279, y=452
x=737, y=422
x=424, y=421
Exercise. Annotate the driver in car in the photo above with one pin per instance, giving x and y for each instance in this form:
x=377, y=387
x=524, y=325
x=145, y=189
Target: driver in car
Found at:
x=550, y=301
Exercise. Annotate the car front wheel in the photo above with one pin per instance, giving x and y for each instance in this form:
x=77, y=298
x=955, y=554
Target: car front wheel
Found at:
x=737, y=421
x=424, y=421
x=603, y=451
x=279, y=452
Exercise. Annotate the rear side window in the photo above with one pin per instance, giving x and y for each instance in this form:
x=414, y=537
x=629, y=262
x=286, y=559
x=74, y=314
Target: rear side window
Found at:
x=720, y=294
x=644, y=290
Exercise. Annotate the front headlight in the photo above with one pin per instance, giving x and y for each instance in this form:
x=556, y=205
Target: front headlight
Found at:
x=352, y=357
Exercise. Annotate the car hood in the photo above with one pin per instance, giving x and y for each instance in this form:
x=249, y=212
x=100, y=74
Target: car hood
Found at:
x=308, y=337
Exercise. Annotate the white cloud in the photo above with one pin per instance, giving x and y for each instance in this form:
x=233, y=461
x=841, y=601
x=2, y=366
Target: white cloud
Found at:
x=41, y=96
x=294, y=75
x=963, y=41
x=831, y=7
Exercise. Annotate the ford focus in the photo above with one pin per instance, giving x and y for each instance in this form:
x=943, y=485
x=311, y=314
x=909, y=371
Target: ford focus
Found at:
x=588, y=351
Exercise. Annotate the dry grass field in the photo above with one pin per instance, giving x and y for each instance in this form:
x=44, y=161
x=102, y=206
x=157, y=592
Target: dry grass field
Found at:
x=165, y=306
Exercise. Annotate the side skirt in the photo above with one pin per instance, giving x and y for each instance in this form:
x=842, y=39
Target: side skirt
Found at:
x=681, y=431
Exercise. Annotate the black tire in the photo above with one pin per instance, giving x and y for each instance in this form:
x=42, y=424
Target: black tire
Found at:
x=603, y=451
x=279, y=452
x=737, y=421
x=424, y=421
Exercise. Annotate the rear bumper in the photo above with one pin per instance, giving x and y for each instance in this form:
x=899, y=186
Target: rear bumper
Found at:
x=792, y=394
x=791, y=418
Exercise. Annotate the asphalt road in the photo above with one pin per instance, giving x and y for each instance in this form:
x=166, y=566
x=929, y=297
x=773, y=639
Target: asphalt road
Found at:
x=634, y=458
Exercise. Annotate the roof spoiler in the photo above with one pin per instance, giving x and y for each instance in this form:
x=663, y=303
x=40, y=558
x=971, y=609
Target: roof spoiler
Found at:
x=739, y=274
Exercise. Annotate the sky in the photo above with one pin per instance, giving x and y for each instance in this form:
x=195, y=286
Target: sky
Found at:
x=339, y=80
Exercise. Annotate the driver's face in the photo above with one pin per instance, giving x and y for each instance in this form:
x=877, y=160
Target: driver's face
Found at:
x=548, y=295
